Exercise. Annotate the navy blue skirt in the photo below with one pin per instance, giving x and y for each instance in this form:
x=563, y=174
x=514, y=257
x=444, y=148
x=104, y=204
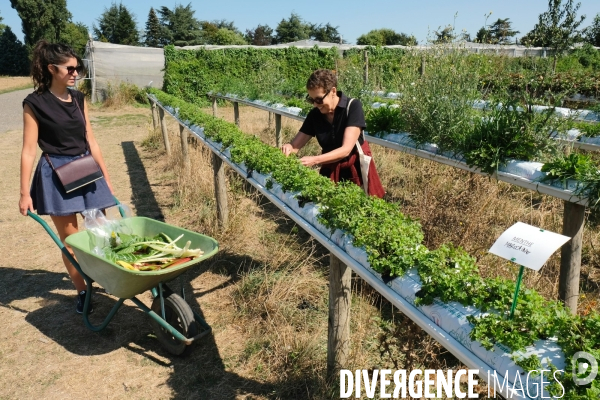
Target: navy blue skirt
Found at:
x=49, y=196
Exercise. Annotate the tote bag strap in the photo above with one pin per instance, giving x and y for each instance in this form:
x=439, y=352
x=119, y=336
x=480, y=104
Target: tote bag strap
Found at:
x=358, y=146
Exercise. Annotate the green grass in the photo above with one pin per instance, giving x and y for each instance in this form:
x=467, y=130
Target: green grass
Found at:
x=16, y=88
x=125, y=119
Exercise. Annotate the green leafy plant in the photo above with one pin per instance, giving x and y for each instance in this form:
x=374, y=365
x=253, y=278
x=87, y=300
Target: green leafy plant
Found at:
x=504, y=133
x=574, y=166
x=588, y=129
x=577, y=167
x=437, y=107
x=386, y=119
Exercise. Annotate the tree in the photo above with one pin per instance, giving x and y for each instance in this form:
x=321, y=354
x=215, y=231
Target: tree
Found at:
x=117, y=25
x=226, y=36
x=325, y=33
x=221, y=33
x=386, y=37
x=42, y=19
x=181, y=28
x=500, y=31
x=153, y=34
x=229, y=25
x=483, y=35
x=14, y=60
x=446, y=35
x=75, y=35
x=262, y=35
x=292, y=30
x=2, y=26
x=592, y=32
x=464, y=36
x=557, y=28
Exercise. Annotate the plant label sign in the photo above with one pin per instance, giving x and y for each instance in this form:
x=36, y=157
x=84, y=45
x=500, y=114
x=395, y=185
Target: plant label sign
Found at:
x=527, y=245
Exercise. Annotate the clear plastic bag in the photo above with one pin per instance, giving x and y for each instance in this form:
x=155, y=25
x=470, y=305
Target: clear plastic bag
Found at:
x=100, y=227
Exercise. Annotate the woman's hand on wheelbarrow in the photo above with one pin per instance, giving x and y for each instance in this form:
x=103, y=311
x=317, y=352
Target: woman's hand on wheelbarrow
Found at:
x=25, y=204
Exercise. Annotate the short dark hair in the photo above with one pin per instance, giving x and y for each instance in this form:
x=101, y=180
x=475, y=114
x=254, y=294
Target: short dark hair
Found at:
x=44, y=54
x=322, y=78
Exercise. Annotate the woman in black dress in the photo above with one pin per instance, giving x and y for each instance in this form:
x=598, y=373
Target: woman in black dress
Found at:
x=56, y=118
x=338, y=123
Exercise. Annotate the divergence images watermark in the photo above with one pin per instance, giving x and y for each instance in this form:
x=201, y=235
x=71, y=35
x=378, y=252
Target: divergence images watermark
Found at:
x=429, y=383
x=581, y=368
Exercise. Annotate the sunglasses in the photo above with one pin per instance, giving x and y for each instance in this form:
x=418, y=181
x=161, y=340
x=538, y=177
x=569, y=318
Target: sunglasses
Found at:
x=317, y=100
x=70, y=69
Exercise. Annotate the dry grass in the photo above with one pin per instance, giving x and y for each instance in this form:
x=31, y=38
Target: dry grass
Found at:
x=278, y=297
x=10, y=83
x=120, y=94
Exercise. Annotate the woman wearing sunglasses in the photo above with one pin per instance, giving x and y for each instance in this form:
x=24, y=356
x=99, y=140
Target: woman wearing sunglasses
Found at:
x=56, y=118
x=337, y=123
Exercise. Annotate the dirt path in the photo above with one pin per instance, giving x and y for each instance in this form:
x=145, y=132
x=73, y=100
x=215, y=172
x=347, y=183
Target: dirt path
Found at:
x=46, y=350
x=12, y=110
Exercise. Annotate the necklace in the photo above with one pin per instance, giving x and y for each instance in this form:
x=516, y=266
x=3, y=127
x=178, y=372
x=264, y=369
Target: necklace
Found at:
x=58, y=97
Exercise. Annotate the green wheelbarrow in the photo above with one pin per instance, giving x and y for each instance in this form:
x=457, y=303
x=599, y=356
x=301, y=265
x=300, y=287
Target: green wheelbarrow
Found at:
x=175, y=324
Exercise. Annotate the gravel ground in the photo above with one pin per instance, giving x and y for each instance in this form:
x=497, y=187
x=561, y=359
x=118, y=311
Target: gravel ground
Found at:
x=11, y=110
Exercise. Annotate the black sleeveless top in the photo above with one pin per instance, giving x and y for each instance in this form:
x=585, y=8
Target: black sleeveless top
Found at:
x=331, y=135
x=61, y=124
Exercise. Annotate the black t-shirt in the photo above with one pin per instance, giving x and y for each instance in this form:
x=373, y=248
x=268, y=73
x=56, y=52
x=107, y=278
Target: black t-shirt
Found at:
x=61, y=124
x=331, y=136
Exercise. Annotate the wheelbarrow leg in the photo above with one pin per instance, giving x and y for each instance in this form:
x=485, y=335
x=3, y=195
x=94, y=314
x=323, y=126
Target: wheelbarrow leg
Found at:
x=109, y=317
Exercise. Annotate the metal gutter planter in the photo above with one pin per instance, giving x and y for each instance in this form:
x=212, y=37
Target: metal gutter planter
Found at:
x=402, y=142
x=445, y=322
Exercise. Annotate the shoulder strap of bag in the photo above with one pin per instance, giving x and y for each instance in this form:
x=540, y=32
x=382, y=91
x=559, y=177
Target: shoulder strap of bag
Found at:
x=87, y=145
x=358, y=146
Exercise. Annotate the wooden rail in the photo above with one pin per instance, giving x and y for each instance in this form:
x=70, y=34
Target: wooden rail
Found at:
x=573, y=206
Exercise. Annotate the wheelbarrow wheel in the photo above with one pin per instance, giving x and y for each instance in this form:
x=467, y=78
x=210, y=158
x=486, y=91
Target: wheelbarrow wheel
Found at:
x=180, y=316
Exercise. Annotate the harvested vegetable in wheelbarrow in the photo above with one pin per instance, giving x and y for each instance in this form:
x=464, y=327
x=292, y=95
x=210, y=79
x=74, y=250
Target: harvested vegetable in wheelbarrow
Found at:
x=138, y=253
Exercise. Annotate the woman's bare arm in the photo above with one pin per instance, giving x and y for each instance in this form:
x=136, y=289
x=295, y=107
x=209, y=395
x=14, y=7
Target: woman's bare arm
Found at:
x=28, y=153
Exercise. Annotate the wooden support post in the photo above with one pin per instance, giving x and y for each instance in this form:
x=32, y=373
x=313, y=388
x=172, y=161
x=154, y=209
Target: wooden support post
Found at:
x=570, y=256
x=163, y=127
x=340, y=297
x=278, y=130
x=184, y=149
x=366, y=67
x=220, y=190
x=153, y=109
x=236, y=113
x=422, y=64
x=214, y=104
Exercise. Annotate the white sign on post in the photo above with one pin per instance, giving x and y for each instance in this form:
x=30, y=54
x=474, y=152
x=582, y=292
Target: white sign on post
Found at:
x=527, y=245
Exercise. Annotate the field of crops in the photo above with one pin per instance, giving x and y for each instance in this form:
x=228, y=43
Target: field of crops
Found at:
x=436, y=94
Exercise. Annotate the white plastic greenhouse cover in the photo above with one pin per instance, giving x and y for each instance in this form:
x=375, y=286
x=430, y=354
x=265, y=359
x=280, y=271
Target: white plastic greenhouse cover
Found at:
x=109, y=63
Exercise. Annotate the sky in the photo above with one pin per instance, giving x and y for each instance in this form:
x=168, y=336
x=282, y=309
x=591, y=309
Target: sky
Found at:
x=352, y=17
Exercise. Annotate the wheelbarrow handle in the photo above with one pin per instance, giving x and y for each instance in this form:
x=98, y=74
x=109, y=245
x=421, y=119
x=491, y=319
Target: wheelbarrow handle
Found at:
x=58, y=242
x=120, y=208
x=56, y=239
x=45, y=225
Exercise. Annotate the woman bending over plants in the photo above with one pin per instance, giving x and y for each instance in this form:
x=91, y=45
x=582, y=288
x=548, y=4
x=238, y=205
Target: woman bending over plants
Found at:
x=338, y=123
